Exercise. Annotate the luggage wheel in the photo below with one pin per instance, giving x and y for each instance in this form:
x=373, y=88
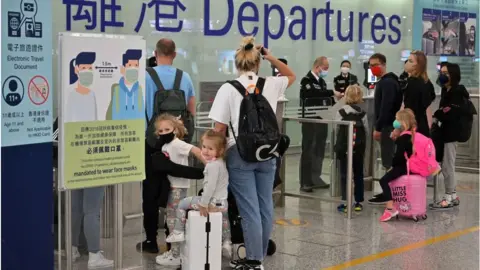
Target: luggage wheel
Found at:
x=415, y=219
x=272, y=247
x=424, y=217
x=241, y=252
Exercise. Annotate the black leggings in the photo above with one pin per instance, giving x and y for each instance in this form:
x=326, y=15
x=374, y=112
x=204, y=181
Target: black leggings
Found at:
x=391, y=175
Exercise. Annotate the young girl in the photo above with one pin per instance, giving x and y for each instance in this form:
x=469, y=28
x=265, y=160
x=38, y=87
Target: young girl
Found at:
x=351, y=112
x=405, y=121
x=215, y=193
x=171, y=131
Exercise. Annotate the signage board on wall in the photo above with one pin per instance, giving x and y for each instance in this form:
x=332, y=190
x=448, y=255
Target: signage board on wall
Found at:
x=246, y=17
x=26, y=72
x=447, y=30
x=102, y=110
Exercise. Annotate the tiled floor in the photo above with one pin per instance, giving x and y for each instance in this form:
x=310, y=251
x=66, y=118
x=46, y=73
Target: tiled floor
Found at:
x=330, y=239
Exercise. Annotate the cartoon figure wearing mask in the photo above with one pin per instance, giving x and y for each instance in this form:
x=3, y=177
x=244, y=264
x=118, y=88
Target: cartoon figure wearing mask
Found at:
x=82, y=104
x=127, y=95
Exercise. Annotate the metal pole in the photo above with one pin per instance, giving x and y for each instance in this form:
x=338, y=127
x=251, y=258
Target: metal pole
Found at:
x=59, y=229
x=118, y=226
x=281, y=203
x=349, y=170
x=68, y=228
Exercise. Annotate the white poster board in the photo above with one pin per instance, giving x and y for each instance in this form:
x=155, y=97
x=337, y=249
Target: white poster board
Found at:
x=101, y=109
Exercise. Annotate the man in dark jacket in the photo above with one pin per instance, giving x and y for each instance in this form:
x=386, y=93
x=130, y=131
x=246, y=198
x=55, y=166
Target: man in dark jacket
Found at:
x=388, y=100
x=314, y=92
x=345, y=78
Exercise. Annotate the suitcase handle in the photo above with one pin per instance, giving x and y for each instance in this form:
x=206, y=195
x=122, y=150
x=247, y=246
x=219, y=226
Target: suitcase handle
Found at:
x=207, y=231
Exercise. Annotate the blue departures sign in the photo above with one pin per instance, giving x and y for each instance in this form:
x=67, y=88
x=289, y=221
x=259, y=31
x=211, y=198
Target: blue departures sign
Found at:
x=303, y=18
x=26, y=72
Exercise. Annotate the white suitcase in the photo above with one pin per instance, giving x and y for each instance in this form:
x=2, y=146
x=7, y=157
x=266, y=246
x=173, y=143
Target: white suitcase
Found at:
x=202, y=248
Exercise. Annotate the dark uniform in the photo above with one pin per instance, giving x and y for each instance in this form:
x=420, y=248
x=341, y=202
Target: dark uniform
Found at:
x=341, y=82
x=313, y=92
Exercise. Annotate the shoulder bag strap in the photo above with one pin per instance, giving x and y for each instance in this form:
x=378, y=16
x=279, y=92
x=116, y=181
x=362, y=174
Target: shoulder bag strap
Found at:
x=178, y=79
x=155, y=79
x=342, y=113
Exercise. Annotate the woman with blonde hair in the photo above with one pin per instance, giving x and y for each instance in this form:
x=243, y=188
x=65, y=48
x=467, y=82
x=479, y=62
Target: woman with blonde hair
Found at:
x=417, y=94
x=251, y=183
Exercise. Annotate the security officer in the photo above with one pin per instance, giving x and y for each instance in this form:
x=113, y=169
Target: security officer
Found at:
x=314, y=92
x=345, y=78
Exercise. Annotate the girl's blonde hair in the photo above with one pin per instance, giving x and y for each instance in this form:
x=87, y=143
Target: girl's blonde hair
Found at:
x=247, y=57
x=179, y=128
x=407, y=117
x=353, y=95
x=219, y=140
x=420, y=70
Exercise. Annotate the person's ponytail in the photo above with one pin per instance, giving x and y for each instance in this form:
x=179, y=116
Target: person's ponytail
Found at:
x=247, y=57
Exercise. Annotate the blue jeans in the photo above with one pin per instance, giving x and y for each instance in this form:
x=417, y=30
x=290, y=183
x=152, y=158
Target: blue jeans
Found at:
x=252, y=187
x=86, y=206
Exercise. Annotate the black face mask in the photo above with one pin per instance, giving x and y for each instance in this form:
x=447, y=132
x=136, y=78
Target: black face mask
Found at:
x=164, y=139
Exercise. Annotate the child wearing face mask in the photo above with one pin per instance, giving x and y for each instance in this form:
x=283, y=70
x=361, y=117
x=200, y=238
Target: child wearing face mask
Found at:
x=215, y=193
x=404, y=121
x=170, y=131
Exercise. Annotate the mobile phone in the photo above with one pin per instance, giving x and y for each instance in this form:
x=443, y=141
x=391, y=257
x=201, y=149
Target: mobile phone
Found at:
x=263, y=51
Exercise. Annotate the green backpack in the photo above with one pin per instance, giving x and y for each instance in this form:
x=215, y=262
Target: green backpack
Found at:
x=116, y=95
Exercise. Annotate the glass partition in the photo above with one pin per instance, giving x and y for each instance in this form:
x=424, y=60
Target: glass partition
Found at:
x=313, y=168
x=112, y=236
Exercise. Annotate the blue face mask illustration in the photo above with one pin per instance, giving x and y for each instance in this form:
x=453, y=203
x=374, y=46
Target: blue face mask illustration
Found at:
x=397, y=124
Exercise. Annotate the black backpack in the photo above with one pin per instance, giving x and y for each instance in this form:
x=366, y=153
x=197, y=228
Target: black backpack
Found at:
x=359, y=137
x=171, y=102
x=465, y=122
x=258, y=135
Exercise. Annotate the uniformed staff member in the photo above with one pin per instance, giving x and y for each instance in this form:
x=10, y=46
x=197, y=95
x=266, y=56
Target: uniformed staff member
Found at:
x=345, y=78
x=314, y=92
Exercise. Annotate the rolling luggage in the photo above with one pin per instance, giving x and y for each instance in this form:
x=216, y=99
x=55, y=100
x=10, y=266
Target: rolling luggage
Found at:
x=409, y=194
x=202, y=248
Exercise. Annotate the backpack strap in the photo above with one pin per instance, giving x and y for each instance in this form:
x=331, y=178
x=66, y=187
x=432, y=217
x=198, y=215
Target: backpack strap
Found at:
x=240, y=88
x=154, y=75
x=178, y=79
x=140, y=97
x=116, y=93
x=260, y=85
x=342, y=113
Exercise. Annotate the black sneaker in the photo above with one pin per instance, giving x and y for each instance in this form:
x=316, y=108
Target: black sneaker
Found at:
x=234, y=263
x=308, y=189
x=246, y=265
x=321, y=185
x=378, y=200
x=147, y=247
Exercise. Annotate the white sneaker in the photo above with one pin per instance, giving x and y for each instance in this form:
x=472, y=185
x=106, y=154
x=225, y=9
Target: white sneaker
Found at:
x=75, y=253
x=97, y=260
x=227, y=249
x=175, y=236
x=167, y=259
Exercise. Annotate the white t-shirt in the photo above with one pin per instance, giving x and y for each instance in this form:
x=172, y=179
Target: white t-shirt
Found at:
x=226, y=105
x=178, y=151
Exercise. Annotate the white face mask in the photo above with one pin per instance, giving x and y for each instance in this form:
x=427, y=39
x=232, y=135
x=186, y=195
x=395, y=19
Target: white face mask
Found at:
x=345, y=70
